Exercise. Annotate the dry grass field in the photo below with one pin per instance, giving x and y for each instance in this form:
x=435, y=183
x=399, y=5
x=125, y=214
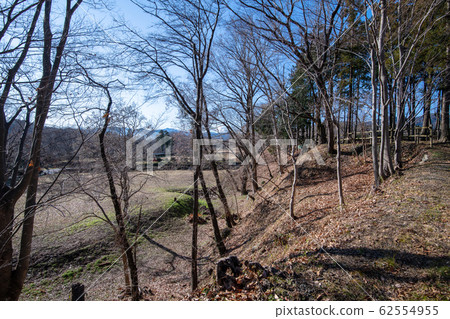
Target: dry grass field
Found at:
x=72, y=245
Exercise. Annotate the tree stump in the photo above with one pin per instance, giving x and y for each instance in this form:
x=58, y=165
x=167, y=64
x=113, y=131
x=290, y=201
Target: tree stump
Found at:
x=78, y=292
x=224, y=280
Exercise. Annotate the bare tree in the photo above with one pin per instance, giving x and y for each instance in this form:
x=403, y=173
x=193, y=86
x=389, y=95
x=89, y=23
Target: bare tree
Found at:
x=228, y=216
x=445, y=129
x=304, y=31
x=11, y=280
x=411, y=29
x=186, y=33
x=386, y=165
x=288, y=118
x=237, y=68
x=120, y=203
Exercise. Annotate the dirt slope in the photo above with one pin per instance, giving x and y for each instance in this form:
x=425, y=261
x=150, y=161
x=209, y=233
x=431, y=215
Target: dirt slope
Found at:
x=388, y=245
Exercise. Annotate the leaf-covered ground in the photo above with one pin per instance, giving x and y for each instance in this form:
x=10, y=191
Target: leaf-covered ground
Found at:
x=389, y=245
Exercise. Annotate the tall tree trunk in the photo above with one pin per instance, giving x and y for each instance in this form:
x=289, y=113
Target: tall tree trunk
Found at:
x=194, y=264
x=276, y=135
x=121, y=231
x=328, y=99
x=400, y=101
x=197, y=135
x=244, y=178
x=400, y=123
x=338, y=167
x=437, y=115
x=373, y=74
x=317, y=125
x=330, y=130
x=6, y=249
x=386, y=166
x=20, y=273
x=321, y=85
x=392, y=109
x=320, y=131
x=379, y=113
x=223, y=198
x=345, y=116
x=357, y=108
x=254, y=164
x=445, y=129
x=126, y=270
x=427, y=89
x=254, y=174
x=218, y=237
x=413, y=106
x=335, y=120
x=294, y=184
x=350, y=105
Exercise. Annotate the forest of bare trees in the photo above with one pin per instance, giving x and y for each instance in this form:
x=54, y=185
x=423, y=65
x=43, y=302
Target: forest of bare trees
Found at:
x=328, y=72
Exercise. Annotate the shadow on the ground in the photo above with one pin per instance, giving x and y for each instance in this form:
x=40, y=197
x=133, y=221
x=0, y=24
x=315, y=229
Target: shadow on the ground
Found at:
x=170, y=251
x=401, y=257
x=368, y=261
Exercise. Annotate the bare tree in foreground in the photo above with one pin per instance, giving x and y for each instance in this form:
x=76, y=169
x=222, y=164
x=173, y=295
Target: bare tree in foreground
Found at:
x=12, y=279
x=120, y=203
x=187, y=30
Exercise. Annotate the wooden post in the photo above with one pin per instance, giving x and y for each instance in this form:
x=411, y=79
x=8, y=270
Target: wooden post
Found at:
x=78, y=292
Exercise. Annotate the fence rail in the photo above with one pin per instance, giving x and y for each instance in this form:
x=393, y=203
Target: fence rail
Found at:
x=417, y=136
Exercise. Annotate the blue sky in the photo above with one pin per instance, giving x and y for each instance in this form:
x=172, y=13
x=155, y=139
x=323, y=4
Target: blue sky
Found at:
x=139, y=20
